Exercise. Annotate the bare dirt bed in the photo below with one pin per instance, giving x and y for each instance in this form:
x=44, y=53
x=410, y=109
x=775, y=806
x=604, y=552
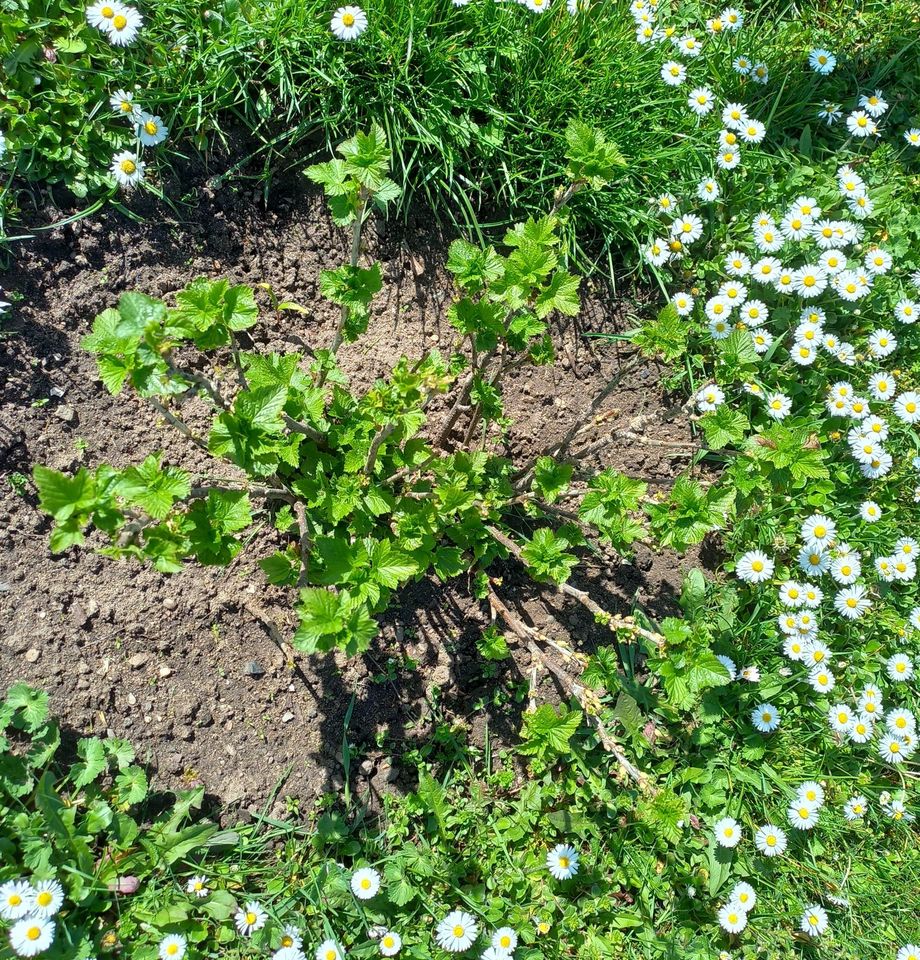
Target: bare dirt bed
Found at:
x=167, y=661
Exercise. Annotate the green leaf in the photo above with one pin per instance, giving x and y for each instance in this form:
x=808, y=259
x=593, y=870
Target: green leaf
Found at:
x=547, y=733
x=551, y=479
x=131, y=785
x=591, y=156
x=330, y=620
x=152, y=488
x=547, y=557
x=94, y=762
x=31, y=705
x=561, y=293
x=724, y=427
x=282, y=569
x=62, y=496
x=389, y=566
x=474, y=268
x=137, y=313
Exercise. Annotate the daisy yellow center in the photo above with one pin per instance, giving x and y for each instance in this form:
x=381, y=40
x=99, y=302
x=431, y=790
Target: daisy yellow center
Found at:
x=505, y=942
x=119, y=22
x=813, y=920
x=730, y=138
x=126, y=106
x=128, y=166
x=365, y=883
x=818, y=656
x=809, y=280
x=14, y=900
x=910, y=406
x=883, y=341
x=33, y=933
x=900, y=723
x=900, y=668
x=767, y=717
x=822, y=59
x=841, y=718
x=348, y=19
x=44, y=898
x=199, y=885
x=757, y=566
x=331, y=955
x=803, y=812
x=716, y=25
x=287, y=941
x=674, y=70
x=150, y=127
x=851, y=602
x=388, y=942
x=458, y=931
x=771, y=841
x=862, y=122
x=172, y=949
x=564, y=862
x=251, y=917
x=543, y=927
x=895, y=747
x=702, y=100
x=107, y=13
x=688, y=227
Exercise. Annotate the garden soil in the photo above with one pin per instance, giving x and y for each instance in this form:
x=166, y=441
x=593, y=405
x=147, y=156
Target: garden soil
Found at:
x=193, y=667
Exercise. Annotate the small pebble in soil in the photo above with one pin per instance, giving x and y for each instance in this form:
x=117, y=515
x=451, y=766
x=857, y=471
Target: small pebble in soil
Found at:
x=287, y=717
x=32, y=655
x=170, y=603
x=137, y=661
x=254, y=669
x=66, y=413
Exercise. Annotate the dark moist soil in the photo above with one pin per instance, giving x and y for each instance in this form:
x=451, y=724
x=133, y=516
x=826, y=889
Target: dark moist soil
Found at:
x=184, y=665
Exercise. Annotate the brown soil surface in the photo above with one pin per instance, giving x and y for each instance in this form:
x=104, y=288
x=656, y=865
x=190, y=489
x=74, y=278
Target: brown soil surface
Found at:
x=162, y=660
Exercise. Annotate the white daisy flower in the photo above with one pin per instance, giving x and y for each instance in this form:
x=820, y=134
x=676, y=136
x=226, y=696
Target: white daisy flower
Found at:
x=47, y=898
x=760, y=73
x=683, y=304
x=754, y=567
x=907, y=311
x=390, y=943
x=860, y=124
x=348, y=23
x=734, y=115
x=727, y=832
x=122, y=102
x=900, y=668
x=197, y=886
x=821, y=679
x=742, y=65
x=812, y=792
x=251, y=918
x=901, y=721
x=688, y=228
x=814, y=921
x=732, y=918
x=31, y=935
x=907, y=407
x=737, y=264
x=778, y=405
x=123, y=28
x=708, y=190
x=562, y=861
x=818, y=531
x=891, y=749
x=365, y=883
x=505, y=938
x=15, y=899
x=840, y=717
x=673, y=72
x=151, y=130
x=855, y=808
x=127, y=169
x=701, y=101
x=770, y=840
x=657, y=253
x=744, y=895
x=329, y=950
x=100, y=15
x=874, y=104
x=172, y=947
x=822, y=61
x=861, y=730
x=912, y=136
x=457, y=931
x=765, y=717
x=802, y=814
x=709, y=397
